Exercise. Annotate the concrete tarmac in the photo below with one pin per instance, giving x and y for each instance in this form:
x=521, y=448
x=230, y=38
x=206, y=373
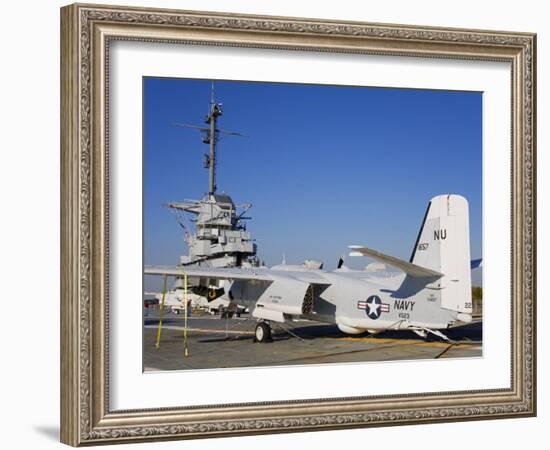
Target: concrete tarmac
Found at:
x=221, y=343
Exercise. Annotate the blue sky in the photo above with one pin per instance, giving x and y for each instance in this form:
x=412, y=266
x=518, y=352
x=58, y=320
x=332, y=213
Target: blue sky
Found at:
x=323, y=166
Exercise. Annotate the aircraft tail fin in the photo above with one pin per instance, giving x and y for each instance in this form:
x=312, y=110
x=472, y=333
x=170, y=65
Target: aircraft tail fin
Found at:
x=443, y=245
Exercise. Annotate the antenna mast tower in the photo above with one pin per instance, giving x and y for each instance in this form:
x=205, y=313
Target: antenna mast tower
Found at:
x=212, y=139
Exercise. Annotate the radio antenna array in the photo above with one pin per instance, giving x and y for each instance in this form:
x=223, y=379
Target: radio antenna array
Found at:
x=211, y=136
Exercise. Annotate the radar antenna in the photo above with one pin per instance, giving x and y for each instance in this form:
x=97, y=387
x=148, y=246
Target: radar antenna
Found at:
x=211, y=136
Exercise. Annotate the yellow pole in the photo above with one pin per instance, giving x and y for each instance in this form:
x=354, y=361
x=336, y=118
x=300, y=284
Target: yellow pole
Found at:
x=157, y=345
x=185, y=319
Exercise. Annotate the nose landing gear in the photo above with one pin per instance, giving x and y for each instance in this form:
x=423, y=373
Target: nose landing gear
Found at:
x=262, y=332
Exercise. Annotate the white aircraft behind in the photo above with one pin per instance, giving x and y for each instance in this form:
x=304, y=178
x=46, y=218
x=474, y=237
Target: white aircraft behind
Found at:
x=432, y=292
x=174, y=300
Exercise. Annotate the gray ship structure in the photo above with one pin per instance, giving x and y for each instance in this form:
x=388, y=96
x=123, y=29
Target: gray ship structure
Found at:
x=214, y=228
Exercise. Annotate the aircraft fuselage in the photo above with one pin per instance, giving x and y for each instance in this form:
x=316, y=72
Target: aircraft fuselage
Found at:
x=355, y=301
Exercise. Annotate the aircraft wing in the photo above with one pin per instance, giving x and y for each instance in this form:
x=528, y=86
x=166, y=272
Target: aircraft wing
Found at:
x=209, y=273
x=410, y=269
x=203, y=274
x=293, y=289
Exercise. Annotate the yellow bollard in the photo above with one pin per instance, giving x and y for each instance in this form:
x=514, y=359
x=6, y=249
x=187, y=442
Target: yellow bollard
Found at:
x=185, y=319
x=157, y=345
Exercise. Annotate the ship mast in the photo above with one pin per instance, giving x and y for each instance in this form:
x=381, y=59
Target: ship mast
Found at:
x=220, y=238
x=211, y=136
x=212, y=139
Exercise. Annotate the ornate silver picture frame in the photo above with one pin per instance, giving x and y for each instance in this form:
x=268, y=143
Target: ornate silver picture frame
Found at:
x=87, y=33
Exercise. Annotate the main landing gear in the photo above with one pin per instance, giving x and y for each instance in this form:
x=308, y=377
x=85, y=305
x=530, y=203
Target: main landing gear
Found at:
x=262, y=332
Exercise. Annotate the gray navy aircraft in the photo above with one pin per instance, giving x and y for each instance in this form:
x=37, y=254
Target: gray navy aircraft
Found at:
x=429, y=293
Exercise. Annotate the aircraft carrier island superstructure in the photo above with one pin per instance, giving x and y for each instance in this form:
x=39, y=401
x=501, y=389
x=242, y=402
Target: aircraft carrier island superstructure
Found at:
x=221, y=238
x=214, y=227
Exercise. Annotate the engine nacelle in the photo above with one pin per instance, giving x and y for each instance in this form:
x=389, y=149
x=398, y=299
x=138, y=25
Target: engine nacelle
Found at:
x=281, y=297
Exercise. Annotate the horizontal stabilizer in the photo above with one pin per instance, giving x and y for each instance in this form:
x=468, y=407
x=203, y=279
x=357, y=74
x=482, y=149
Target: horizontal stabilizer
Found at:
x=410, y=269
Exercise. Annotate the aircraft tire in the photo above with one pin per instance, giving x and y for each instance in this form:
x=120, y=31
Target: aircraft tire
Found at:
x=262, y=332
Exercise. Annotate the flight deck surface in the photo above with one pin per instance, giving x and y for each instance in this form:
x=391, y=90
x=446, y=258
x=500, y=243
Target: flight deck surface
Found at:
x=222, y=343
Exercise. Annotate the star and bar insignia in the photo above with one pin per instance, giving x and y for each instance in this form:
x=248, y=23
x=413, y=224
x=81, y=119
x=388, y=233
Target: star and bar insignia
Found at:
x=373, y=306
